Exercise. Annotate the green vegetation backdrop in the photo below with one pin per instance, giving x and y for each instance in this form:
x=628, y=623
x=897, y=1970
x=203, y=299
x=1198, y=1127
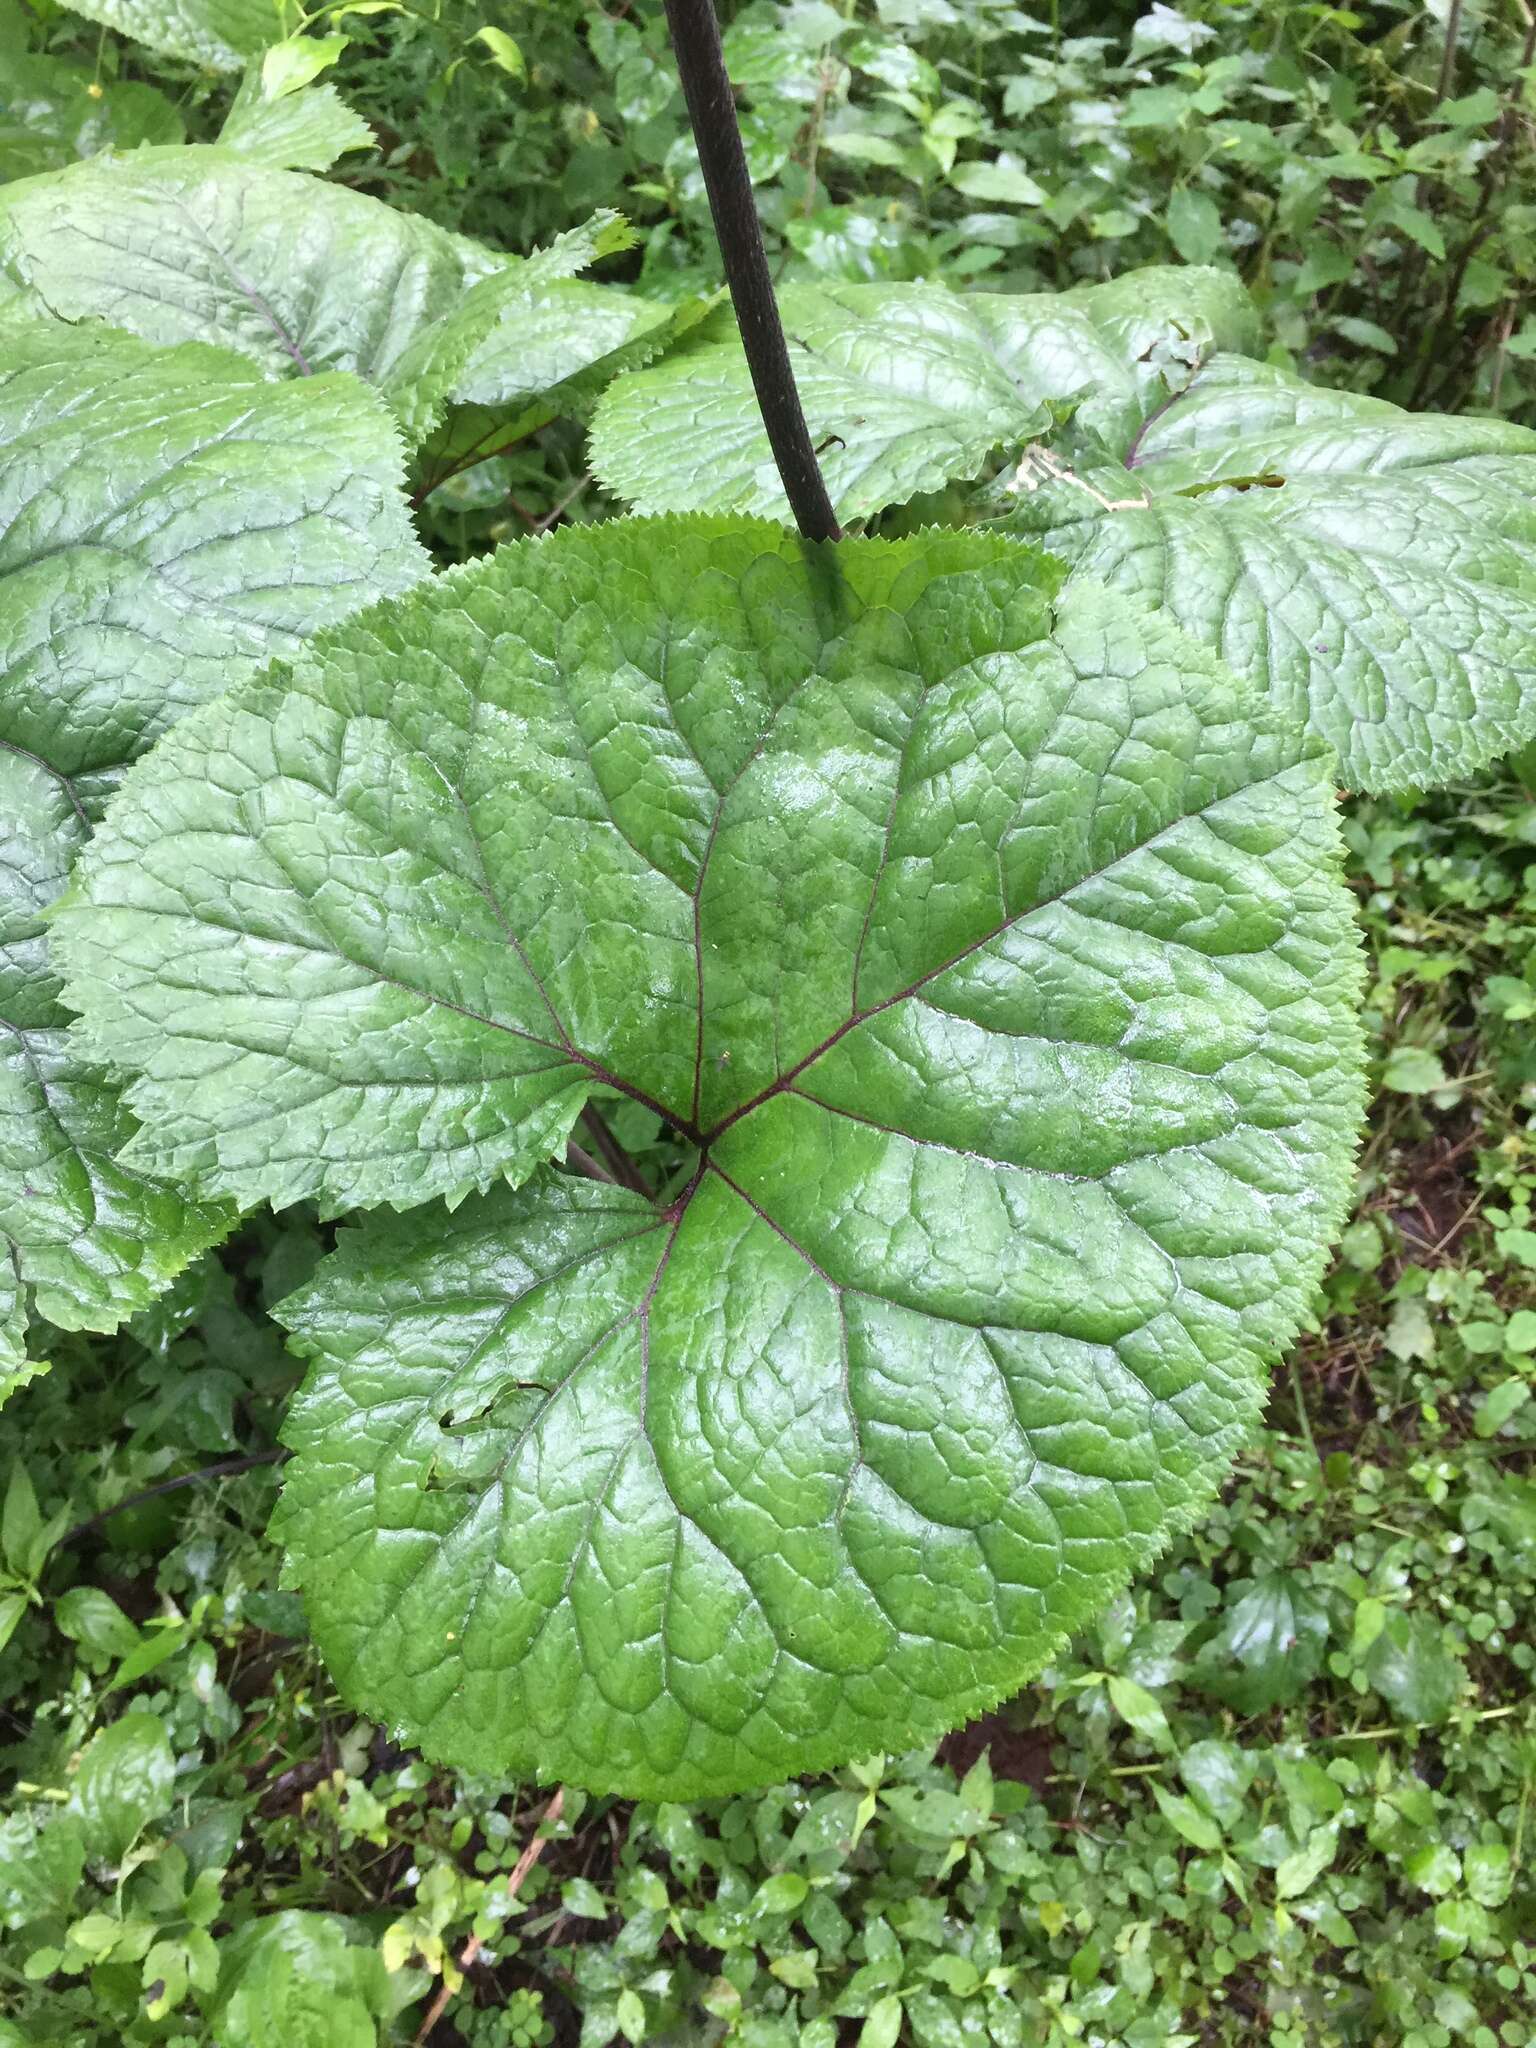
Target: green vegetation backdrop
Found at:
x=1282, y=1792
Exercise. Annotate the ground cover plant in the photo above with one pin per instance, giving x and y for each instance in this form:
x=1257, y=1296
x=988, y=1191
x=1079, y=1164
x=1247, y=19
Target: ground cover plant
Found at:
x=859, y=1036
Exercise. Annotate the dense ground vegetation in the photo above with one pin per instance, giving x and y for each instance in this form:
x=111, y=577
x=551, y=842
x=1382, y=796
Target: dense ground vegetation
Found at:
x=1284, y=1792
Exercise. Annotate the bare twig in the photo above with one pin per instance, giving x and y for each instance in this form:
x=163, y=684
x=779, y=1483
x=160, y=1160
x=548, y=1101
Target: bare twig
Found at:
x=520, y=1870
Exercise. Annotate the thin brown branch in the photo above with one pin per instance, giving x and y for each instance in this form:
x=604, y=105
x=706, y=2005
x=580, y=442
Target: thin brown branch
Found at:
x=520, y=1870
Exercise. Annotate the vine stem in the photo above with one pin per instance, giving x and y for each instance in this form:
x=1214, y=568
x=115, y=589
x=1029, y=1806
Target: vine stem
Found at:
x=712, y=112
x=226, y=1468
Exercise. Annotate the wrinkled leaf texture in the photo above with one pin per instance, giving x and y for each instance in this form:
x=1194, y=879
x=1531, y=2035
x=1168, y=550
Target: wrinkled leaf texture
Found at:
x=1373, y=570
x=219, y=33
x=206, y=244
x=988, y=941
x=908, y=386
x=170, y=521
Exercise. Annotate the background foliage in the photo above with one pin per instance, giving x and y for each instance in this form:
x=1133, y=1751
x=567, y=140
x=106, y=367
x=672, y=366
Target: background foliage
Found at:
x=1284, y=1792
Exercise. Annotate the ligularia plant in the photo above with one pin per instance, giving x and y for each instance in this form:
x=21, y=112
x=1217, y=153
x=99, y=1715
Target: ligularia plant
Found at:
x=957, y=916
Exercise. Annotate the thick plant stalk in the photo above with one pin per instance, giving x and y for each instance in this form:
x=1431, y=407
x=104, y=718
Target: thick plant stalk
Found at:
x=712, y=111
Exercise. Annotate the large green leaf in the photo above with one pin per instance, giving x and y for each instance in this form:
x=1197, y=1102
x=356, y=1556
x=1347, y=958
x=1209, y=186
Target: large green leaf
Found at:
x=523, y=332
x=1373, y=570
x=202, y=245
x=170, y=521
x=219, y=33
x=299, y=275
x=86, y=1241
x=908, y=386
x=990, y=946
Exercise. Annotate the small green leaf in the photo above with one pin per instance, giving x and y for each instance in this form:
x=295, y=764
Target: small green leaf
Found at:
x=1414, y=1668
x=1197, y=1828
x=1218, y=1775
x=1298, y=1872
x=1003, y=184
x=1435, y=1869
x=1133, y=1703
x=781, y=1894
x=1489, y=1872
x=1412, y=1070
x=93, y=1619
x=505, y=53
x=1370, y=1620
x=41, y=1864
x=882, y=2024
x=1194, y=225
x=298, y=61
x=1499, y=1405
x=125, y=1780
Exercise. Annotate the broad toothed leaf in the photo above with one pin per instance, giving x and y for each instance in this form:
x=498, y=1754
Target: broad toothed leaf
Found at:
x=219, y=33
x=1373, y=570
x=517, y=338
x=201, y=245
x=306, y=130
x=170, y=520
x=553, y=353
x=908, y=386
x=990, y=947
x=217, y=245
x=83, y=1240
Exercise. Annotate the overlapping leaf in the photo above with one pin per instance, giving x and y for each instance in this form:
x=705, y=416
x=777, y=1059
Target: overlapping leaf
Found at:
x=170, y=520
x=201, y=245
x=989, y=946
x=219, y=33
x=908, y=386
x=1373, y=570
x=299, y=275
x=303, y=130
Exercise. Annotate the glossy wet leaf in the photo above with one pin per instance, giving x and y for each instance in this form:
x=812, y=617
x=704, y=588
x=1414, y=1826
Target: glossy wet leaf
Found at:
x=908, y=386
x=989, y=945
x=204, y=245
x=125, y=1779
x=170, y=521
x=293, y=1980
x=1373, y=570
